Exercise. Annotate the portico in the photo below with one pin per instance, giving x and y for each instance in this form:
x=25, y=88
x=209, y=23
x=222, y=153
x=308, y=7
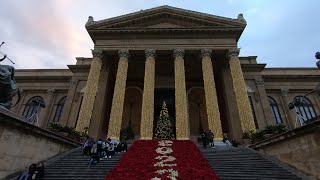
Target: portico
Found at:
x=165, y=48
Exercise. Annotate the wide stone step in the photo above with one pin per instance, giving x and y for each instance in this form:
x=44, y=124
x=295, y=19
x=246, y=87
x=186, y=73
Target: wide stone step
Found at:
x=241, y=163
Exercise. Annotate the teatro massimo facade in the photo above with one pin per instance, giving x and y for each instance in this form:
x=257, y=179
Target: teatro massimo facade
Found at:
x=189, y=60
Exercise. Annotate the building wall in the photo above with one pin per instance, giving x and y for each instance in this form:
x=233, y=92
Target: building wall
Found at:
x=53, y=85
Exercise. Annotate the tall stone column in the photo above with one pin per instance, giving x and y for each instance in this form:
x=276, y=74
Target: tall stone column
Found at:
x=239, y=88
x=97, y=120
x=91, y=91
x=45, y=115
x=264, y=102
x=118, y=96
x=182, y=121
x=212, y=106
x=284, y=102
x=69, y=101
x=148, y=96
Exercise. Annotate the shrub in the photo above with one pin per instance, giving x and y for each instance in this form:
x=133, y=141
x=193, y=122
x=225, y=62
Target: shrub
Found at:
x=280, y=128
x=55, y=126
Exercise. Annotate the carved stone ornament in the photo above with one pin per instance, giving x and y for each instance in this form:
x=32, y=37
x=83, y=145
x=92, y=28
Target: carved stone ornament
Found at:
x=178, y=53
x=98, y=53
x=124, y=53
x=206, y=52
x=51, y=92
x=233, y=53
x=8, y=86
x=90, y=21
x=284, y=92
x=150, y=53
x=259, y=82
x=241, y=18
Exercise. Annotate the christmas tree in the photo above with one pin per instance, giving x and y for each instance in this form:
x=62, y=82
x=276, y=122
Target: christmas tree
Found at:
x=164, y=127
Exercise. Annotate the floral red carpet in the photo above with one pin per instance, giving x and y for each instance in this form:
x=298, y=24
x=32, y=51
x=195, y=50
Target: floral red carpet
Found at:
x=155, y=160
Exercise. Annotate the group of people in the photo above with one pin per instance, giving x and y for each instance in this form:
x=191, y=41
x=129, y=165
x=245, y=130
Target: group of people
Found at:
x=35, y=172
x=102, y=149
x=207, y=138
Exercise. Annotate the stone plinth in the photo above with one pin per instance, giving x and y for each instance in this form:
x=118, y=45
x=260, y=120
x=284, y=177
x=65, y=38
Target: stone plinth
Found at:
x=299, y=148
x=23, y=144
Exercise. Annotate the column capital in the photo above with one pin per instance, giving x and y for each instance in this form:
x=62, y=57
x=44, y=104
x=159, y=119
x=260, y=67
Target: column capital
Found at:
x=150, y=53
x=259, y=81
x=232, y=53
x=97, y=53
x=206, y=52
x=51, y=92
x=284, y=91
x=73, y=82
x=124, y=53
x=178, y=53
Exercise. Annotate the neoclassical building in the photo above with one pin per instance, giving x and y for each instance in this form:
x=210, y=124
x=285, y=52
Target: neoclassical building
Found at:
x=187, y=59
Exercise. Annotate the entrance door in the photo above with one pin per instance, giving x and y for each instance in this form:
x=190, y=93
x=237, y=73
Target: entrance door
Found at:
x=166, y=95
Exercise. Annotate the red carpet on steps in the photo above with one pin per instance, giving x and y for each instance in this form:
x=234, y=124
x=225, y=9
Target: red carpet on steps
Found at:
x=167, y=159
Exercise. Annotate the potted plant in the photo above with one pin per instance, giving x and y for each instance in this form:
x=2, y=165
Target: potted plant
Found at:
x=55, y=127
x=246, y=137
x=269, y=131
x=280, y=128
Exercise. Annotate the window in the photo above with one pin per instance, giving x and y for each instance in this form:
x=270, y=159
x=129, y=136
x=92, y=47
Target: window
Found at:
x=31, y=106
x=253, y=112
x=275, y=110
x=59, y=109
x=306, y=108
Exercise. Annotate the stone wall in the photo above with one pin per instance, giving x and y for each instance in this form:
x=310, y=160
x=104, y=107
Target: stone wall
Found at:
x=299, y=148
x=23, y=144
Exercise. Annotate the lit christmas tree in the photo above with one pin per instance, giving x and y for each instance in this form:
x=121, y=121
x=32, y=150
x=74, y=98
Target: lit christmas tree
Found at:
x=164, y=127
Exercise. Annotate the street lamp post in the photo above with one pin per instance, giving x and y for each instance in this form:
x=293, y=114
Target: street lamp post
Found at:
x=318, y=57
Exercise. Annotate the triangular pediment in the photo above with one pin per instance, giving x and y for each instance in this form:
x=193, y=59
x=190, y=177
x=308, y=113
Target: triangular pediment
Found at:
x=165, y=17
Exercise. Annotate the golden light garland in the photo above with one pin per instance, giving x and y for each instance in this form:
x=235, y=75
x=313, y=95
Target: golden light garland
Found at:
x=239, y=88
x=147, y=117
x=90, y=91
x=118, y=96
x=182, y=125
x=212, y=106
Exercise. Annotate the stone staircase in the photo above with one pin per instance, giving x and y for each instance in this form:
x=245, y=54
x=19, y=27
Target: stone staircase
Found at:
x=75, y=166
x=243, y=163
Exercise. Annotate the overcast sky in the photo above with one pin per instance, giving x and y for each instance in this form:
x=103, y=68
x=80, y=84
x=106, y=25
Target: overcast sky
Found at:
x=50, y=34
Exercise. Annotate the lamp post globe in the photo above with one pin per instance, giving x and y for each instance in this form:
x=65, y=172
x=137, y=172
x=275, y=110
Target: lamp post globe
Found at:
x=318, y=57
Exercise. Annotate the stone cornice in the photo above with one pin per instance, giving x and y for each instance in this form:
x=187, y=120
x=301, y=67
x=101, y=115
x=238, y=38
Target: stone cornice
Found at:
x=253, y=67
x=79, y=68
x=165, y=9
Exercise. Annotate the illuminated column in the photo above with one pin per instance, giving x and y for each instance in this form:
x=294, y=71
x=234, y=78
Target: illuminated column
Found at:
x=182, y=122
x=118, y=95
x=212, y=106
x=148, y=95
x=91, y=91
x=239, y=88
